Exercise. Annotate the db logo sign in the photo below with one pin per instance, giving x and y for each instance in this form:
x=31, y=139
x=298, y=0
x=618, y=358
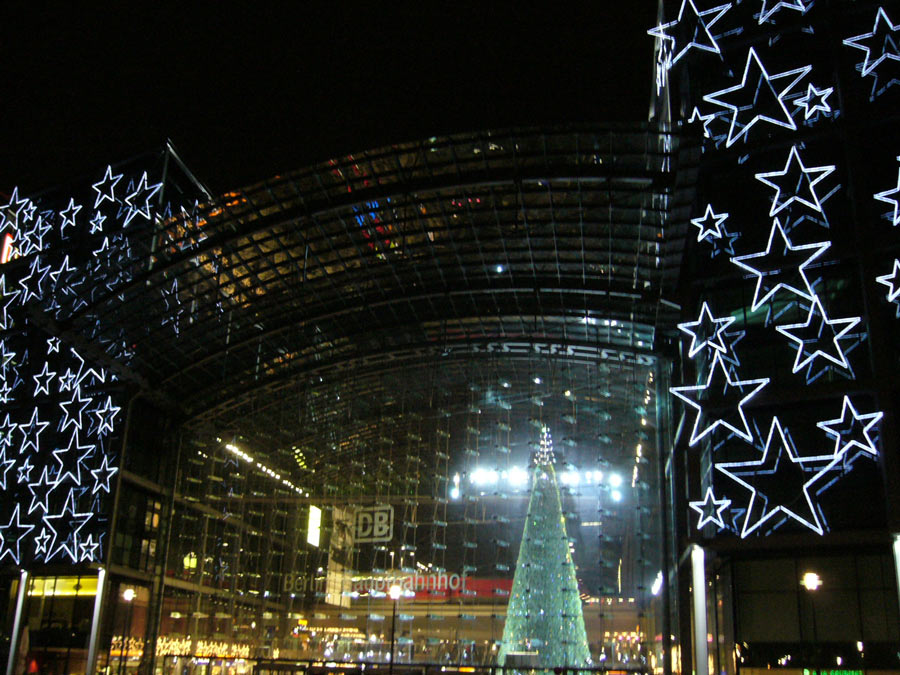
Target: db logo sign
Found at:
x=374, y=524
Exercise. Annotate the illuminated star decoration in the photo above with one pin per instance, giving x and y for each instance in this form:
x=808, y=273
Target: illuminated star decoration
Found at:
x=754, y=93
x=892, y=281
x=724, y=244
x=710, y=509
x=138, y=202
x=706, y=331
x=779, y=263
x=696, y=116
x=75, y=522
x=102, y=474
x=879, y=44
x=891, y=197
x=105, y=188
x=710, y=223
x=693, y=23
x=68, y=216
x=11, y=536
x=795, y=180
x=852, y=430
x=814, y=100
x=769, y=7
x=816, y=331
x=43, y=379
x=777, y=484
x=719, y=379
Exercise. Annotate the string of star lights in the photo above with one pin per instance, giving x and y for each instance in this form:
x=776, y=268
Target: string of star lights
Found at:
x=759, y=97
x=61, y=421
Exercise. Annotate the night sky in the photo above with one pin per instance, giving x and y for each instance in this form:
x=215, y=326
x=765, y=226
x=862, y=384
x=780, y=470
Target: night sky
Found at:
x=249, y=90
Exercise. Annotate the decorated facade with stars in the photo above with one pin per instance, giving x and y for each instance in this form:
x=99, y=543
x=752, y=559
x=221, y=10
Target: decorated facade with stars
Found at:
x=793, y=105
x=62, y=400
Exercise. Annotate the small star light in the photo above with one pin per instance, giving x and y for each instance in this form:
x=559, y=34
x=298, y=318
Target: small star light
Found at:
x=710, y=224
x=710, y=509
x=756, y=99
x=706, y=331
x=879, y=44
x=852, y=429
x=892, y=281
x=814, y=100
x=891, y=197
x=795, y=183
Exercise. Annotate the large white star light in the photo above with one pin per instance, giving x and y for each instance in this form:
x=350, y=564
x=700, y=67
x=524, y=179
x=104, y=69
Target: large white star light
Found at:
x=12, y=534
x=777, y=484
x=732, y=398
x=106, y=415
x=769, y=7
x=879, y=44
x=68, y=216
x=819, y=336
x=795, y=182
x=781, y=265
x=69, y=519
x=694, y=24
x=892, y=281
x=852, y=430
x=756, y=99
x=706, y=331
x=710, y=509
x=892, y=196
x=31, y=432
x=138, y=202
x=102, y=475
x=709, y=224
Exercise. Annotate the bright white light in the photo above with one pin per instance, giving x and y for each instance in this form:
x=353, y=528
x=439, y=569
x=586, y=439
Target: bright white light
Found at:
x=454, y=492
x=499, y=269
x=396, y=591
x=811, y=581
x=616, y=496
x=537, y=380
x=518, y=477
x=128, y=594
x=569, y=478
x=657, y=583
x=615, y=480
x=589, y=476
x=484, y=476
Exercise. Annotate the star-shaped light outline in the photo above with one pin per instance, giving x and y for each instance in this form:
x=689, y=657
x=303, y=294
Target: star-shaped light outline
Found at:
x=870, y=419
x=714, y=342
x=5, y=466
x=820, y=105
x=74, y=445
x=78, y=404
x=103, y=474
x=42, y=380
x=822, y=171
x=41, y=500
x=807, y=293
x=769, y=513
x=661, y=30
x=716, y=229
x=105, y=187
x=718, y=363
x=868, y=66
x=34, y=427
x=96, y=223
x=707, y=516
x=23, y=528
x=797, y=74
x=779, y=4
x=68, y=216
x=145, y=190
x=886, y=198
x=816, y=309
x=106, y=415
x=892, y=281
x=88, y=549
x=69, y=516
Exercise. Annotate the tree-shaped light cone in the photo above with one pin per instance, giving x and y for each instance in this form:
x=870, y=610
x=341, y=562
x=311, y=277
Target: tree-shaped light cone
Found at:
x=544, y=614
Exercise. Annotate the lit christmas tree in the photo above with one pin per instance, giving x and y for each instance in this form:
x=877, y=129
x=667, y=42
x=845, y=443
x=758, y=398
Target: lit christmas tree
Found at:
x=544, y=613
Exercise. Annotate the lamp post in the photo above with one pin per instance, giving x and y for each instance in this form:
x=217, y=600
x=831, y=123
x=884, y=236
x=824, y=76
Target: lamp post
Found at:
x=128, y=596
x=811, y=582
x=395, y=592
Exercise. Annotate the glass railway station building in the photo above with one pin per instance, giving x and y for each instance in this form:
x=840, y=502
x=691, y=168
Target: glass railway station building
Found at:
x=594, y=397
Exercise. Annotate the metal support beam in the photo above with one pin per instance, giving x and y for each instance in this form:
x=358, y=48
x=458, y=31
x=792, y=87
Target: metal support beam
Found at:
x=91, y=665
x=701, y=650
x=17, y=624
